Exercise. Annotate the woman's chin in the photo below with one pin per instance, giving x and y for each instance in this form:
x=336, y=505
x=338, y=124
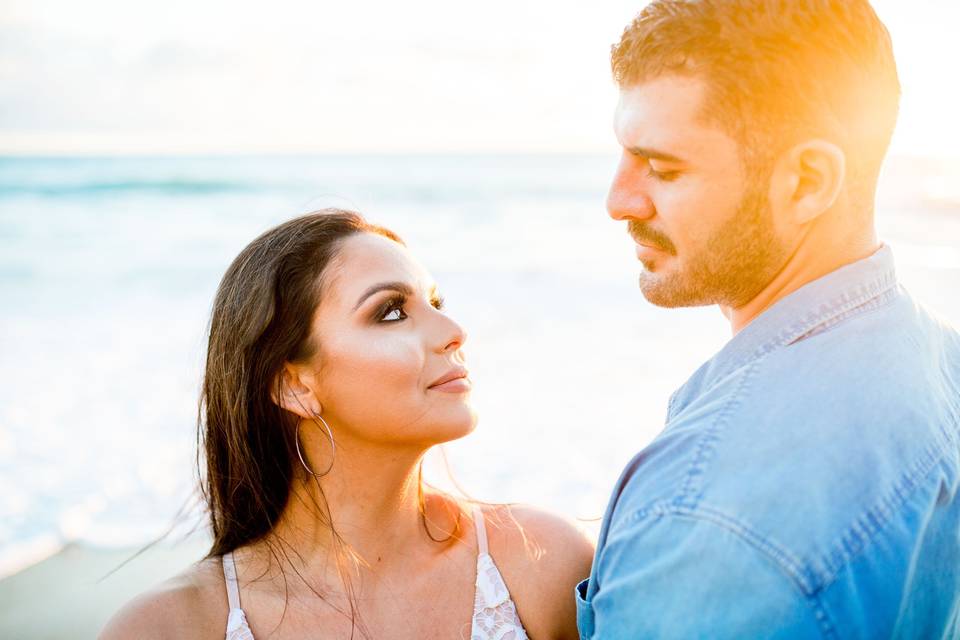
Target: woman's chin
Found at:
x=457, y=425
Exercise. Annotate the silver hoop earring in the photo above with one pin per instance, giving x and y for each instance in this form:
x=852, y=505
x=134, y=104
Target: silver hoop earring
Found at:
x=333, y=447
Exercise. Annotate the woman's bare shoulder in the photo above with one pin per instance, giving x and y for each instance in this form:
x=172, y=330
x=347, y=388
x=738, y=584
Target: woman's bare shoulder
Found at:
x=542, y=557
x=192, y=604
x=537, y=538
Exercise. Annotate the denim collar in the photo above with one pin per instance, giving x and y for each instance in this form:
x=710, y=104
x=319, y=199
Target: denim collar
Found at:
x=810, y=308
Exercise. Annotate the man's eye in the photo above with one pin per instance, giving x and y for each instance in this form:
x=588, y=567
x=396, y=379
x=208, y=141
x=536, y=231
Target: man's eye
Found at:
x=663, y=176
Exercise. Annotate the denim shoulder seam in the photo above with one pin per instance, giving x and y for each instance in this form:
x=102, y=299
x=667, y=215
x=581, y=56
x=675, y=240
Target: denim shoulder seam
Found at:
x=827, y=627
x=691, y=490
x=795, y=570
x=858, y=537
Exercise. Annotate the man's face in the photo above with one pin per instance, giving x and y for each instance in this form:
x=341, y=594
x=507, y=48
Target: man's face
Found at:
x=703, y=227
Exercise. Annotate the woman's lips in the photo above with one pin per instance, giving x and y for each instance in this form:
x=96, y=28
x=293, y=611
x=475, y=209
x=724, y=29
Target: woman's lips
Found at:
x=457, y=385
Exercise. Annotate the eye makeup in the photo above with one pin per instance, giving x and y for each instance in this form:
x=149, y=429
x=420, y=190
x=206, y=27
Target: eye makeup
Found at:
x=396, y=302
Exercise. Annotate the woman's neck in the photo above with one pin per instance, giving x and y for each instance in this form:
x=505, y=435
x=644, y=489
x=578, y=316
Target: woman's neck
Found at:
x=365, y=512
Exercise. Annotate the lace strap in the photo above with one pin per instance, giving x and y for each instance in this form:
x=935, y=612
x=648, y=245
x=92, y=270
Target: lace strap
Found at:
x=230, y=577
x=481, y=528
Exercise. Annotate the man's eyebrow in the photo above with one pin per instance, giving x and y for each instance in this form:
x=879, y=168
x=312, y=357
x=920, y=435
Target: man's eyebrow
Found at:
x=401, y=287
x=653, y=154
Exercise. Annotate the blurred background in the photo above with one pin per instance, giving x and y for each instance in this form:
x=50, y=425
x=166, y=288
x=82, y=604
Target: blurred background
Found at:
x=143, y=144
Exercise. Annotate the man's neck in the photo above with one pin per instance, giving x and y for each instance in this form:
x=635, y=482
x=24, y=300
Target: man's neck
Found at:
x=817, y=255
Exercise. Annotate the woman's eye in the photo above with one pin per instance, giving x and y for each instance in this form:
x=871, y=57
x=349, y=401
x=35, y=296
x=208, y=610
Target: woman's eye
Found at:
x=393, y=315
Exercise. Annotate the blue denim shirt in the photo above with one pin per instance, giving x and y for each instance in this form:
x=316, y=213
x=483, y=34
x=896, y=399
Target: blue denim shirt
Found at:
x=805, y=485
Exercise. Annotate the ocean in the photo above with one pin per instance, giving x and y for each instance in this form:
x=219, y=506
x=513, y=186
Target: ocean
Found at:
x=108, y=267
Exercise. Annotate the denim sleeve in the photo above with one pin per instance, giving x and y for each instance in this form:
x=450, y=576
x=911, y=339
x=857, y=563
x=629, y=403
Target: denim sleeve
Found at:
x=685, y=577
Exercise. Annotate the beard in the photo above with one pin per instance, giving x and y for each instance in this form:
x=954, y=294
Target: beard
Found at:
x=734, y=264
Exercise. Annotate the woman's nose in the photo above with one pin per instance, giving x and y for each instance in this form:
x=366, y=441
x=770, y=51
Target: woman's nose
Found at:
x=453, y=335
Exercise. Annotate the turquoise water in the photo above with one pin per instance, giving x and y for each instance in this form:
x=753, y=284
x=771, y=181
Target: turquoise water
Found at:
x=108, y=266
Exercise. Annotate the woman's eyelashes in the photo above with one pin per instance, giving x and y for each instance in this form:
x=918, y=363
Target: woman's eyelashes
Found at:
x=392, y=309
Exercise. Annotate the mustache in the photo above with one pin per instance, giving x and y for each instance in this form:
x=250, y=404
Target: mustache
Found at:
x=645, y=234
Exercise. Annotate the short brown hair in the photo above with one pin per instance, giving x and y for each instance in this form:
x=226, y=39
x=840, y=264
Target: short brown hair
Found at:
x=778, y=71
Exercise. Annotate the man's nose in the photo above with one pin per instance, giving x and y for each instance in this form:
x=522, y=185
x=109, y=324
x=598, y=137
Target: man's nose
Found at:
x=628, y=198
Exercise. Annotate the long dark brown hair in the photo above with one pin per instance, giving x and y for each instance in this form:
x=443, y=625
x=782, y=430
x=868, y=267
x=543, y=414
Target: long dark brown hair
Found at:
x=260, y=320
x=247, y=457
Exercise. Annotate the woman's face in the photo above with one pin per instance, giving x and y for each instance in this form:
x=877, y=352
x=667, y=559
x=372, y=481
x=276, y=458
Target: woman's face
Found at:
x=388, y=366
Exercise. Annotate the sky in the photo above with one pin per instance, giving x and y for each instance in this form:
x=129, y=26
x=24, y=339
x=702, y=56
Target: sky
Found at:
x=218, y=76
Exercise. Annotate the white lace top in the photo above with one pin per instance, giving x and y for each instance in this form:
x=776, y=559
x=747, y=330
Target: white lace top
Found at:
x=494, y=613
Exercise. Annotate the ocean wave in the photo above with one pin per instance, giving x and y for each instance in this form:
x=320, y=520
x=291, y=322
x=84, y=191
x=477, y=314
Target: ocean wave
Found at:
x=156, y=187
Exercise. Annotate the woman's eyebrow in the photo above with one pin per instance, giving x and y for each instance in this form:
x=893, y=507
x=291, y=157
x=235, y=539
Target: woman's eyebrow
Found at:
x=400, y=287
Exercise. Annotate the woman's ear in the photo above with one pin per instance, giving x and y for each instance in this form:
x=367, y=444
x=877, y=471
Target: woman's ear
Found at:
x=808, y=180
x=291, y=392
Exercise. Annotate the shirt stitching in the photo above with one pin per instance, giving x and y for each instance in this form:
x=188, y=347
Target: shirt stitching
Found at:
x=869, y=297
x=692, y=486
x=858, y=537
x=843, y=306
x=827, y=627
x=809, y=581
x=846, y=302
x=789, y=564
x=869, y=306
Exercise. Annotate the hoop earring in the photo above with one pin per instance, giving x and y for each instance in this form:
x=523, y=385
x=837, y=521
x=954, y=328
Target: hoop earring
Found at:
x=333, y=447
x=421, y=501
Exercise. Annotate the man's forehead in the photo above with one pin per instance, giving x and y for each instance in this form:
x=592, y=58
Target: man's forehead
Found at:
x=666, y=107
x=670, y=116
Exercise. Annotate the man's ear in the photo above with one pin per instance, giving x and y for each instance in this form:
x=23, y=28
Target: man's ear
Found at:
x=808, y=180
x=291, y=392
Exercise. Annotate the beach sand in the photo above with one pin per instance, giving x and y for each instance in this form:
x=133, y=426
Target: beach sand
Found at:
x=67, y=596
